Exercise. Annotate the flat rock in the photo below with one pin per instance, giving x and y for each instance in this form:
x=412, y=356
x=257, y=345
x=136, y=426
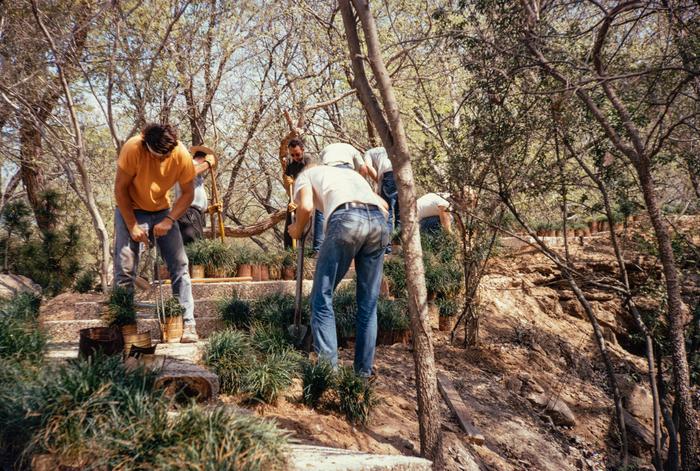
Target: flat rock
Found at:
x=11, y=285
x=309, y=457
x=557, y=410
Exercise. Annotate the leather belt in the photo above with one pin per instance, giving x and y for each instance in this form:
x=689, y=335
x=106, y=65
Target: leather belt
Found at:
x=353, y=204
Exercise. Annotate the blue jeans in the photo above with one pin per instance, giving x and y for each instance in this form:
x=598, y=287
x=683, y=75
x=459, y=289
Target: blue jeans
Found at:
x=430, y=225
x=358, y=234
x=318, y=231
x=126, y=257
x=391, y=195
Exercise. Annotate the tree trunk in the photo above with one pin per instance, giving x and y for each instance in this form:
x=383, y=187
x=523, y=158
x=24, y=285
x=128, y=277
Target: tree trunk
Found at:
x=394, y=140
x=677, y=316
x=32, y=175
x=612, y=381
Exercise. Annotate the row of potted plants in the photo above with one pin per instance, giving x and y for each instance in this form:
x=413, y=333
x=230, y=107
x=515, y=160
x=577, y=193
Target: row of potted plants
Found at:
x=214, y=259
x=581, y=228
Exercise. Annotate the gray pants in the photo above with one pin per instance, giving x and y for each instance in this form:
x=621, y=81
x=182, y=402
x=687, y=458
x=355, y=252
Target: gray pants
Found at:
x=126, y=257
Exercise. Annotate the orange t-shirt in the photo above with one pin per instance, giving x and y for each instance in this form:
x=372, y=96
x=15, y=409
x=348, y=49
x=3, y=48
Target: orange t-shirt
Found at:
x=153, y=178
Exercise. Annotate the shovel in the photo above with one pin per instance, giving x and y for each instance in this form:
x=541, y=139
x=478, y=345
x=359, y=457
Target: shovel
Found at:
x=298, y=331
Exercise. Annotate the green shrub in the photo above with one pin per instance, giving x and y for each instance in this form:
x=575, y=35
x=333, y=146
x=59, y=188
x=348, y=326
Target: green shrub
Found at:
x=356, y=396
x=345, y=309
x=70, y=404
x=318, y=378
x=120, y=307
x=447, y=307
x=269, y=338
x=395, y=271
x=235, y=312
x=24, y=306
x=278, y=309
x=198, y=252
x=173, y=308
x=392, y=315
x=85, y=282
x=20, y=336
x=229, y=354
x=267, y=378
x=198, y=438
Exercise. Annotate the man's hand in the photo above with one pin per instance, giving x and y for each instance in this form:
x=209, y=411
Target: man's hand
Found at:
x=288, y=181
x=162, y=227
x=291, y=207
x=211, y=160
x=295, y=232
x=138, y=234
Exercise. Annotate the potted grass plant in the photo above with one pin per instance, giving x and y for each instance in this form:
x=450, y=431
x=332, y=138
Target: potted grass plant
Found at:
x=197, y=253
x=172, y=330
x=288, y=269
x=392, y=322
x=243, y=259
x=219, y=259
x=448, y=311
x=274, y=264
x=256, y=261
x=121, y=310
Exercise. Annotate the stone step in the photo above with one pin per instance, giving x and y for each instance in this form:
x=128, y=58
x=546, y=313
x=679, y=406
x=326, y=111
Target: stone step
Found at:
x=68, y=331
x=308, y=457
x=190, y=352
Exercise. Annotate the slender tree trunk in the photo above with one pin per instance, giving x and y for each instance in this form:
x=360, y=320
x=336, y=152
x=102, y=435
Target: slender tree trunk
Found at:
x=672, y=459
x=602, y=348
x=393, y=137
x=677, y=316
x=31, y=173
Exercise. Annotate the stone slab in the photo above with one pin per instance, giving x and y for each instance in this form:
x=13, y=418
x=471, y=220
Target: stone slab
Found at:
x=68, y=331
x=309, y=457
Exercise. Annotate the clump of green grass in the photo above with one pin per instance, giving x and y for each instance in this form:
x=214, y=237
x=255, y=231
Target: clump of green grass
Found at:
x=345, y=309
x=269, y=338
x=85, y=282
x=392, y=315
x=120, y=307
x=229, y=353
x=356, y=396
x=235, y=312
x=318, y=378
x=20, y=336
x=268, y=378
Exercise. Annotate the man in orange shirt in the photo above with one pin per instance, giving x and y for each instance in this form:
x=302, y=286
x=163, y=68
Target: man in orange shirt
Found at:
x=149, y=166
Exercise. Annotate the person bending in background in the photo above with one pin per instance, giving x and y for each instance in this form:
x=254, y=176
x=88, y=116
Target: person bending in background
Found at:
x=379, y=169
x=149, y=165
x=192, y=223
x=434, y=209
x=355, y=230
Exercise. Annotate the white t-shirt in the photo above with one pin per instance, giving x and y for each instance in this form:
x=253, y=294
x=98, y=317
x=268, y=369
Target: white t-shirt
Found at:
x=335, y=186
x=200, y=194
x=379, y=160
x=341, y=153
x=428, y=205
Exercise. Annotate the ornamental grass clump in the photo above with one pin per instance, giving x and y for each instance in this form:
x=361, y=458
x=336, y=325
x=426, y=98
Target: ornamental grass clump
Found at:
x=269, y=338
x=318, y=378
x=235, y=312
x=229, y=353
x=20, y=336
x=270, y=376
x=276, y=309
x=392, y=315
x=120, y=307
x=356, y=396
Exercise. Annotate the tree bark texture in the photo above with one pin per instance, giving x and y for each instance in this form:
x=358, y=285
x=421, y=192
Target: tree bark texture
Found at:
x=677, y=318
x=391, y=132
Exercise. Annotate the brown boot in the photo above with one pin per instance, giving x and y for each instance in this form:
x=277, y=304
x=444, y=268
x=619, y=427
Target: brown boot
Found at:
x=189, y=334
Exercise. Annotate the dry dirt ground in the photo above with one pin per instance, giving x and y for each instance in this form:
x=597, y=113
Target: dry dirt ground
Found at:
x=533, y=339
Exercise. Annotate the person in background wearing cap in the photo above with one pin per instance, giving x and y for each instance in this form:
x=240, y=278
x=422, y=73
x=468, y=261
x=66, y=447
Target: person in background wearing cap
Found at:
x=193, y=221
x=149, y=165
x=355, y=230
x=378, y=168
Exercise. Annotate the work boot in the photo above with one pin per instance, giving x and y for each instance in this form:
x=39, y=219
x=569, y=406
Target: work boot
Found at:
x=189, y=334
